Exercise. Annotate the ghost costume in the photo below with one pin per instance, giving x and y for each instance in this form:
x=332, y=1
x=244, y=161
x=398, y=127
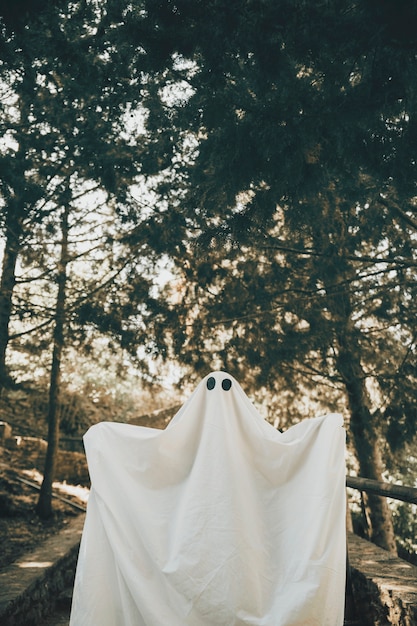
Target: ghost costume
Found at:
x=218, y=520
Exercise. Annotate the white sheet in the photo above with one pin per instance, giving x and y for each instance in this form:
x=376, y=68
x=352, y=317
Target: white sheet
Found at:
x=217, y=520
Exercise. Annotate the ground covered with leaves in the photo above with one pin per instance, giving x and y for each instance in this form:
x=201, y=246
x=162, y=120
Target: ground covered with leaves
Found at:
x=21, y=530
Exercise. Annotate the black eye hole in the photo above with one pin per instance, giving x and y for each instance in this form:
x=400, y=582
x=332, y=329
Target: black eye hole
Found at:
x=226, y=384
x=211, y=383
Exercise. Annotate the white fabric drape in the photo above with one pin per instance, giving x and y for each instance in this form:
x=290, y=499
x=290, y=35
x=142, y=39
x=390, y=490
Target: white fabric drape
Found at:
x=218, y=520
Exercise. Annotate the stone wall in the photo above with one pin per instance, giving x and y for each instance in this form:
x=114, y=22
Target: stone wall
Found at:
x=30, y=587
x=385, y=587
x=29, y=453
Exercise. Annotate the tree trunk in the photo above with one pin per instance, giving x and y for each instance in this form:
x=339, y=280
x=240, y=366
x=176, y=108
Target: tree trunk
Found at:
x=7, y=284
x=368, y=450
x=44, y=506
x=362, y=425
x=17, y=204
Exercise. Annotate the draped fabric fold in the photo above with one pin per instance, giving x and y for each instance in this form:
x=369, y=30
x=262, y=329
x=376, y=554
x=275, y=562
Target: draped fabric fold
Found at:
x=217, y=520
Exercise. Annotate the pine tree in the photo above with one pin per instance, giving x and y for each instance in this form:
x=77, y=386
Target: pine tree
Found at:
x=297, y=201
x=67, y=92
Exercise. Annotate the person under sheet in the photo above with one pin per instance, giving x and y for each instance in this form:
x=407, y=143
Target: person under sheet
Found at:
x=218, y=520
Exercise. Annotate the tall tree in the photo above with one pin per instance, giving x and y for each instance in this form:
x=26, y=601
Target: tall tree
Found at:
x=44, y=505
x=299, y=196
x=70, y=90
x=67, y=90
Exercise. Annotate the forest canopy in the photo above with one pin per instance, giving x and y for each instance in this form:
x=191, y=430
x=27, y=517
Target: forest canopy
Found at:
x=260, y=153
